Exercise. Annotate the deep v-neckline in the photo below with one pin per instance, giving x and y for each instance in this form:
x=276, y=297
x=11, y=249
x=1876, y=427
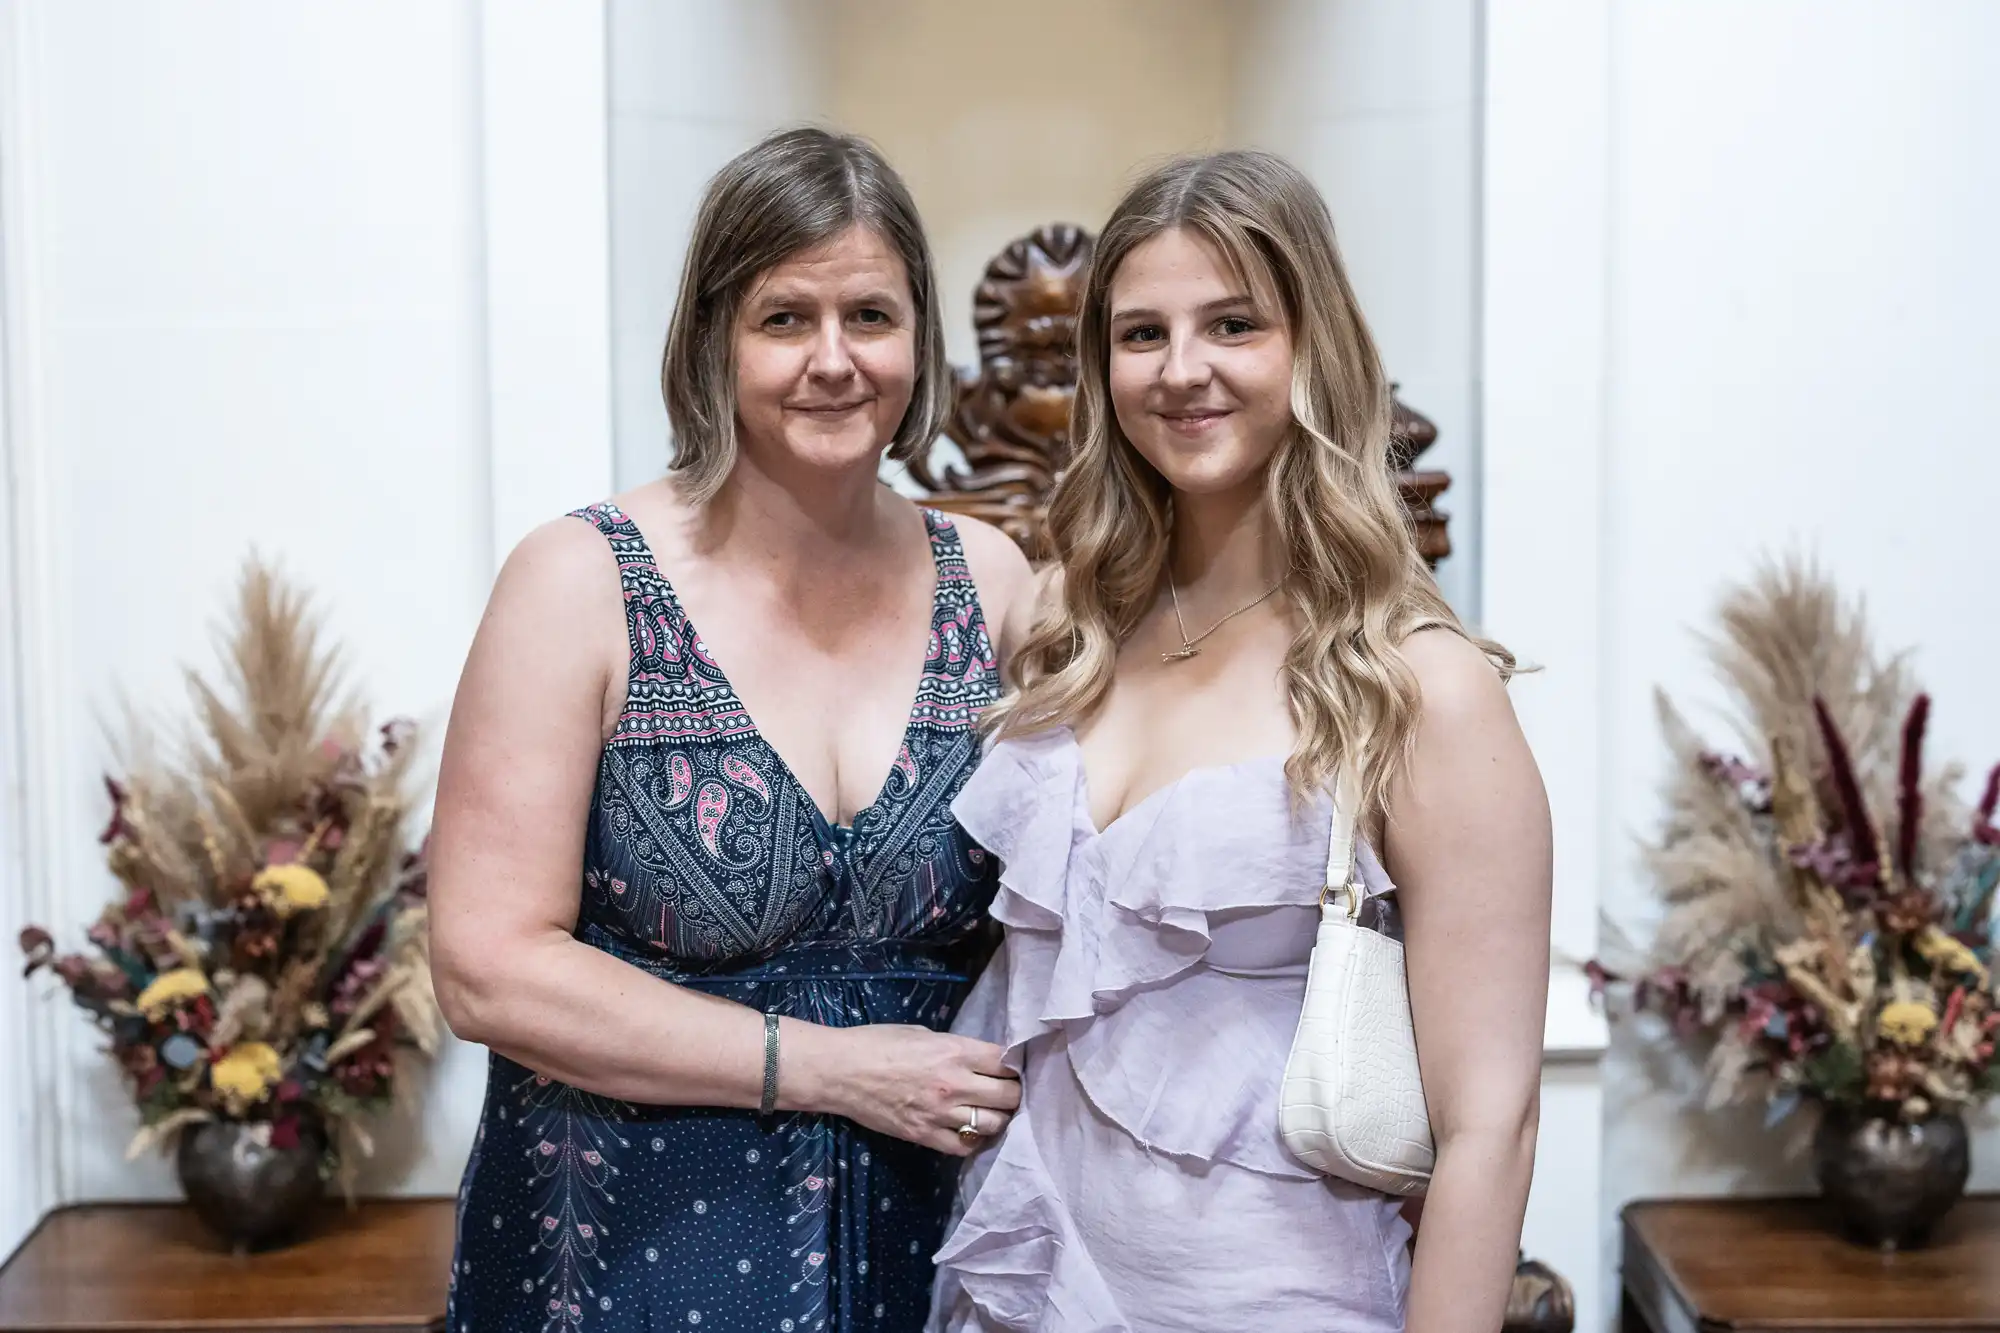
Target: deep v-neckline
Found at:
x=786, y=772
x=1082, y=793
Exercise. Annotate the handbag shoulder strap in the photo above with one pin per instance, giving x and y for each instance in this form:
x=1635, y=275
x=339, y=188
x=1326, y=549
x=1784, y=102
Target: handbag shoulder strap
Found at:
x=1343, y=868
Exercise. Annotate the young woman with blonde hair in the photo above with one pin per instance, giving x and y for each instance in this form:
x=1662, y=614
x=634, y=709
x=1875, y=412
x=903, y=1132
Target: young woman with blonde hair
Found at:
x=1240, y=626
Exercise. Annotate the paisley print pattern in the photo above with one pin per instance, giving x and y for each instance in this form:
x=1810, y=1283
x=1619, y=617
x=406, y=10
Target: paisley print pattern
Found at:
x=707, y=865
x=747, y=777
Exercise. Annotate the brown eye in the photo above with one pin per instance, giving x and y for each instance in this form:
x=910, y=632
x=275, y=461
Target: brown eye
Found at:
x=1140, y=334
x=1235, y=326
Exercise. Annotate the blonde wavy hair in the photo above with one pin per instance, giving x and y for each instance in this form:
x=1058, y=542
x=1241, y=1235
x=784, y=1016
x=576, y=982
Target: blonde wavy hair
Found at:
x=1355, y=581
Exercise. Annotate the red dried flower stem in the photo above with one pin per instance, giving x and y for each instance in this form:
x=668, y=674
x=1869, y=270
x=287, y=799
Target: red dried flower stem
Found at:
x=1982, y=821
x=1910, y=795
x=1951, y=1010
x=1853, y=809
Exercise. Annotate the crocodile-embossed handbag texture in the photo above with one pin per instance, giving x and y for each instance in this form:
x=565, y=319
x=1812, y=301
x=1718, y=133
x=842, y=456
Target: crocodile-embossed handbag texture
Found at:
x=1352, y=1105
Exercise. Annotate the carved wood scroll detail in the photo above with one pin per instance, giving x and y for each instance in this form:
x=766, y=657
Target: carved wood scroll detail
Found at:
x=1011, y=418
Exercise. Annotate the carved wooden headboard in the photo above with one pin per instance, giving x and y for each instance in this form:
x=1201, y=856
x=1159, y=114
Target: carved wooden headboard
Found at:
x=1011, y=419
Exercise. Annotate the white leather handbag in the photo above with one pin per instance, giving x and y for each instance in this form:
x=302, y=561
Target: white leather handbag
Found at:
x=1352, y=1105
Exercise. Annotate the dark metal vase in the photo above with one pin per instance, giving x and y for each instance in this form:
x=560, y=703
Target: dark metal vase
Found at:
x=249, y=1193
x=1889, y=1181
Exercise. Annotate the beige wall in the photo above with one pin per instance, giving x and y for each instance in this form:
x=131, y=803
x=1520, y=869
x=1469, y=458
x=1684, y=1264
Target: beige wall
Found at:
x=1002, y=117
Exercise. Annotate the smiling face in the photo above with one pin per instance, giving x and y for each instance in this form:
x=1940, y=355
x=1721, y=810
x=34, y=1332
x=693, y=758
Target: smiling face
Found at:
x=826, y=353
x=1200, y=364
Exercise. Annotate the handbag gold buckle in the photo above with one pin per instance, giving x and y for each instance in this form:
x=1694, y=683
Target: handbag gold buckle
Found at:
x=1351, y=909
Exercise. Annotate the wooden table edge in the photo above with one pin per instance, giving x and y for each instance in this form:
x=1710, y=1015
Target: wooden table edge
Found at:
x=1645, y=1297
x=1664, y=1288
x=435, y=1325
x=1688, y=1320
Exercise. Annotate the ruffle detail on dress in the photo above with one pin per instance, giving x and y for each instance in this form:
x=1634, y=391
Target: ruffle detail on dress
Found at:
x=1166, y=878
x=1004, y=805
x=1100, y=923
x=1201, y=1079
x=1013, y=1262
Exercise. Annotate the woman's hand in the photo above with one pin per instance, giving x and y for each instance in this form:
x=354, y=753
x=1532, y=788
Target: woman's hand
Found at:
x=901, y=1080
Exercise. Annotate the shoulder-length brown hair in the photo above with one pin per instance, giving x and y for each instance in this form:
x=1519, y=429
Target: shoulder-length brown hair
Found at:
x=1355, y=580
x=794, y=190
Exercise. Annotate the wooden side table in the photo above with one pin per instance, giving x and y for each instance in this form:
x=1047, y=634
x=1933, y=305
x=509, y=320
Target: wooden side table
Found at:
x=135, y=1267
x=1694, y=1265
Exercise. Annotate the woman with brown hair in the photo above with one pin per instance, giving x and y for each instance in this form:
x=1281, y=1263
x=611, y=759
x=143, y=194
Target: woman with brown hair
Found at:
x=1240, y=629
x=700, y=891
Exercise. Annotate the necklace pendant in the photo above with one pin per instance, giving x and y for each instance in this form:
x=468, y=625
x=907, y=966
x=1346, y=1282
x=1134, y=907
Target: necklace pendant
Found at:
x=1181, y=654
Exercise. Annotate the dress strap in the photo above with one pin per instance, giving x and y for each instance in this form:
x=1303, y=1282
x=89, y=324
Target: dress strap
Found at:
x=947, y=548
x=962, y=673
x=655, y=622
x=627, y=543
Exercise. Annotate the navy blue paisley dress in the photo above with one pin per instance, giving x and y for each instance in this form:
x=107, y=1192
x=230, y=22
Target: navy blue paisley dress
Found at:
x=708, y=865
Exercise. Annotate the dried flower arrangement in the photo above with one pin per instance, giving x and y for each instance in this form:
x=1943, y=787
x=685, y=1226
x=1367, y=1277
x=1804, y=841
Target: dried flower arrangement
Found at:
x=1816, y=951
x=268, y=957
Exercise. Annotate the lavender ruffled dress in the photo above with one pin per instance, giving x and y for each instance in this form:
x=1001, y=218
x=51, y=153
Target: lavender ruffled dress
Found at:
x=1148, y=991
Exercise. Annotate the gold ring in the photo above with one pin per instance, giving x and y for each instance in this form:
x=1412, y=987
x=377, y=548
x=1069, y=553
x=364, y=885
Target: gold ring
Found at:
x=970, y=1129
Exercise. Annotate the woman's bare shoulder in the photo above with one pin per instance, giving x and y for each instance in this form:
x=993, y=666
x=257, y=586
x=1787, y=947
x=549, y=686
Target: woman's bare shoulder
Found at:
x=992, y=555
x=1002, y=574
x=1457, y=680
x=555, y=621
x=560, y=567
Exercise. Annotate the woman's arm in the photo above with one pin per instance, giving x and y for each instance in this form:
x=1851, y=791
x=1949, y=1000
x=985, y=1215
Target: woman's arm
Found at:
x=514, y=789
x=1469, y=849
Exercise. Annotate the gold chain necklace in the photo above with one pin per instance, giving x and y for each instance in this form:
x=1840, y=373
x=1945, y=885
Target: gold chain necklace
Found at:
x=1187, y=648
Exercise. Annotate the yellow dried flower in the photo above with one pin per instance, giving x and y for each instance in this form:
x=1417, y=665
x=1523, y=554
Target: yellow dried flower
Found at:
x=244, y=1075
x=1947, y=954
x=291, y=888
x=1907, y=1022
x=169, y=989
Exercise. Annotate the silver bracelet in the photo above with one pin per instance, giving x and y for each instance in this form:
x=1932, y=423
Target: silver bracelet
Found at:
x=770, y=1102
